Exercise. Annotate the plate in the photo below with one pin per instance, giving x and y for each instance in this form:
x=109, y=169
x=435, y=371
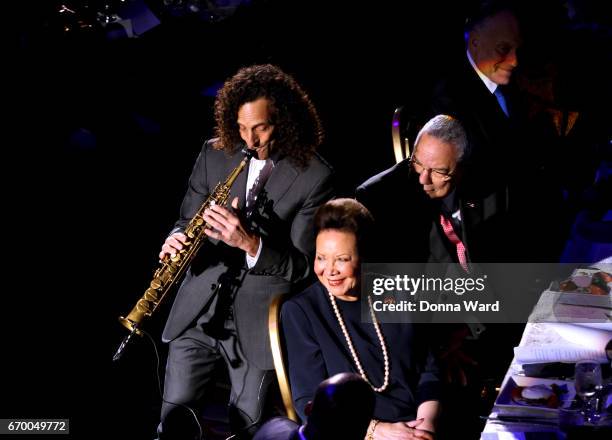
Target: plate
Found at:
x=509, y=402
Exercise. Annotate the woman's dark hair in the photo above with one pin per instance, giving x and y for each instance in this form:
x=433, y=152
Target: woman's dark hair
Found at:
x=347, y=215
x=297, y=127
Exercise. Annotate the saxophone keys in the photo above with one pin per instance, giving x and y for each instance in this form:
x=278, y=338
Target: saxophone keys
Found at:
x=144, y=307
x=151, y=295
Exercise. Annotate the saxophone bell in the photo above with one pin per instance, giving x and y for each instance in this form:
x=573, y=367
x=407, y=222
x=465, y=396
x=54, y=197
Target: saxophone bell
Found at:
x=124, y=343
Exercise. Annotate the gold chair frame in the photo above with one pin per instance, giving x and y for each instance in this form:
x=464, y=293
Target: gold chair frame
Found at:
x=277, y=357
x=401, y=144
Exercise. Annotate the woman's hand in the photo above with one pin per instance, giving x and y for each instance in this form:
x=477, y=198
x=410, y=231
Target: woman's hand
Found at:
x=402, y=431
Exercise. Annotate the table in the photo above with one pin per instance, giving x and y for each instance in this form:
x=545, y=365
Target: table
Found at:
x=538, y=335
x=496, y=429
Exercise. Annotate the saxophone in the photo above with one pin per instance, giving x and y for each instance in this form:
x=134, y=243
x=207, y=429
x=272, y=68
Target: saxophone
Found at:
x=173, y=268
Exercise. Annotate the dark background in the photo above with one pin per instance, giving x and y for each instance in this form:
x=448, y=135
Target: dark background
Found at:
x=107, y=129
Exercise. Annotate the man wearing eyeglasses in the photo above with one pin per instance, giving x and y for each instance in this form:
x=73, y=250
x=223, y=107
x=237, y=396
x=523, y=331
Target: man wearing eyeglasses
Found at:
x=427, y=185
x=443, y=160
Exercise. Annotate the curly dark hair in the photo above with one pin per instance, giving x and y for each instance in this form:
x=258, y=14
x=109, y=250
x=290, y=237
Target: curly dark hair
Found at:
x=297, y=132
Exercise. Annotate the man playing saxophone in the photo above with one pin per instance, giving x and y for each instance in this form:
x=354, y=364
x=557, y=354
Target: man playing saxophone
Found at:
x=259, y=247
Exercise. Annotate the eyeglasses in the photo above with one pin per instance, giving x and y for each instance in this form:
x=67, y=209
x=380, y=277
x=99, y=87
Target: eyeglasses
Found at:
x=436, y=173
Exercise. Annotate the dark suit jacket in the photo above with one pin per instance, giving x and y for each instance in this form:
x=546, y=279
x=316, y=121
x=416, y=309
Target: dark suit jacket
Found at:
x=407, y=221
x=283, y=218
x=495, y=140
x=505, y=166
x=401, y=212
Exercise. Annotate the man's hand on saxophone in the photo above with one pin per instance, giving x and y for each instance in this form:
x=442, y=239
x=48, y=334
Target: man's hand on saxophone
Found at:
x=173, y=244
x=227, y=227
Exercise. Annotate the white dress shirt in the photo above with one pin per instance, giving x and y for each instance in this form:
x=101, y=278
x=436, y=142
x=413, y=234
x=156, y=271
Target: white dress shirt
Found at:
x=487, y=82
x=259, y=171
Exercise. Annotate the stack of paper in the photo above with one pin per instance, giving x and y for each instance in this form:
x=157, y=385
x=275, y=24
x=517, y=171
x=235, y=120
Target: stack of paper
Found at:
x=557, y=342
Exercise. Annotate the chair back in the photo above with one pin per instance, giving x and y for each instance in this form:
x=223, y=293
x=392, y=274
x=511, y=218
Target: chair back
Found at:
x=276, y=343
x=405, y=125
x=401, y=144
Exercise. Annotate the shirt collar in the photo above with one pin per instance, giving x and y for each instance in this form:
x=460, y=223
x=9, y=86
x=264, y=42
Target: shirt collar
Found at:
x=261, y=162
x=491, y=86
x=449, y=202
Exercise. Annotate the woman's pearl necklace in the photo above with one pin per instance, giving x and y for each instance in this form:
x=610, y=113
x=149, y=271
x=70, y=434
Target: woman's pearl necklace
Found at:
x=352, y=349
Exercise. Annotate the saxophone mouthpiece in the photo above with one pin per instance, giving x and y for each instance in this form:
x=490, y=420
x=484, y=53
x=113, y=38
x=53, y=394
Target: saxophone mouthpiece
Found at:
x=250, y=154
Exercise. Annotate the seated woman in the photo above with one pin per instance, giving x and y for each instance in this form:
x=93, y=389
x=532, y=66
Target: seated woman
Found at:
x=325, y=334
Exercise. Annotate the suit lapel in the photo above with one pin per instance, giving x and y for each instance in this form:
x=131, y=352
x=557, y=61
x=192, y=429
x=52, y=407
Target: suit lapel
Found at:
x=467, y=211
x=282, y=177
